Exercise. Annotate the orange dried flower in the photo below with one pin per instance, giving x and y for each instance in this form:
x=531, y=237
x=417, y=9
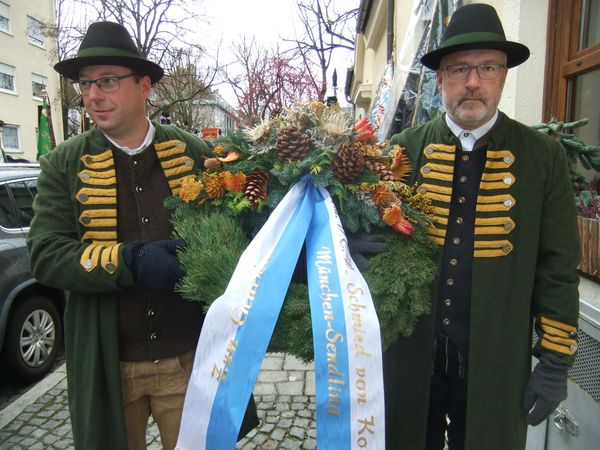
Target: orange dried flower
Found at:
x=213, y=184
x=190, y=189
x=401, y=165
x=234, y=181
x=382, y=195
x=392, y=215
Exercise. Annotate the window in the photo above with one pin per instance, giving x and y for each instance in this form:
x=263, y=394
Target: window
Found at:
x=35, y=31
x=573, y=69
x=23, y=193
x=8, y=218
x=16, y=203
x=7, y=78
x=10, y=137
x=4, y=17
x=38, y=84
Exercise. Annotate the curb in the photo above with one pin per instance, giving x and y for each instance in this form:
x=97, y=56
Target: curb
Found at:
x=13, y=410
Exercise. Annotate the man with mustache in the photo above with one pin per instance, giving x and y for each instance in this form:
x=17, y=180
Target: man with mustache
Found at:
x=101, y=231
x=505, y=224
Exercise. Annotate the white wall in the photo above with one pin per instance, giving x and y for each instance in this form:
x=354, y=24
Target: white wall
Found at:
x=525, y=21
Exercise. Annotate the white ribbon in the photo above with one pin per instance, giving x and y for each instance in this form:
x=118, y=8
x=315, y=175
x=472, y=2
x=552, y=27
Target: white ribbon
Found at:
x=239, y=325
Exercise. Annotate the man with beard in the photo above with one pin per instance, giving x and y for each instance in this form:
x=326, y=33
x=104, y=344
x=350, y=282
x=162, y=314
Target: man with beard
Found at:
x=505, y=222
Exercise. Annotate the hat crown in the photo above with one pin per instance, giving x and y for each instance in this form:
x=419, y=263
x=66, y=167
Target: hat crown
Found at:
x=109, y=35
x=476, y=26
x=109, y=43
x=474, y=18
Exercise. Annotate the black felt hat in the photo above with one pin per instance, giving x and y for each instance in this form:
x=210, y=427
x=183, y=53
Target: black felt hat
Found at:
x=108, y=43
x=476, y=26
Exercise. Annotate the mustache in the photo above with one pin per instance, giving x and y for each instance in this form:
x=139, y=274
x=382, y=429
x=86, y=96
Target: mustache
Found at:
x=471, y=97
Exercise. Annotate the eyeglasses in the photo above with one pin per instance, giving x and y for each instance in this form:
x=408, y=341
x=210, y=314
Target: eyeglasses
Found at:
x=484, y=71
x=105, y=84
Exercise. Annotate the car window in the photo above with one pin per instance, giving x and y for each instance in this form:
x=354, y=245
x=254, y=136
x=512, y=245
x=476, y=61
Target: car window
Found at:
x=23, y=193
x=8, y=219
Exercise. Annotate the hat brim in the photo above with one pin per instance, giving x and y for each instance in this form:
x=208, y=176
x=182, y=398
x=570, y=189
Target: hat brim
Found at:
x=70, y=68
x=516, y=53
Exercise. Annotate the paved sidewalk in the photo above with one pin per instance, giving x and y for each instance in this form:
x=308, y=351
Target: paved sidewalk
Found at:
x=284, y=394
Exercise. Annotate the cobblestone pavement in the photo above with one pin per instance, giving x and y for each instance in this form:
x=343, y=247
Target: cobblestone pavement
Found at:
x=284, y=395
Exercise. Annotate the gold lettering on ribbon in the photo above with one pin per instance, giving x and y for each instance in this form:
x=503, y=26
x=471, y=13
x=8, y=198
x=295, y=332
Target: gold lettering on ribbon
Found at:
x=336, y=381
x=239, y=315
x=220, y=372
x=366, y=425
x=358, y=331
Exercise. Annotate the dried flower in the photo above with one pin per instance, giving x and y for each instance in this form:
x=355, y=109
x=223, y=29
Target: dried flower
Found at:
x=393, y=217
x=383, y=196
x=219, y=150
x=259, y=133
x=234, y=181
x=213, y=184
x=190, y=189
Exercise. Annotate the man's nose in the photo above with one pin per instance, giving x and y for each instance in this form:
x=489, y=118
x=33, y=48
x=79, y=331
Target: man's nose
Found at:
x=94, y=92
x=472, y=78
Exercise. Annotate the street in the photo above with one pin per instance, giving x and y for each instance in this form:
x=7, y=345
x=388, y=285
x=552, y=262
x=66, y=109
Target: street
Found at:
x=35, y=417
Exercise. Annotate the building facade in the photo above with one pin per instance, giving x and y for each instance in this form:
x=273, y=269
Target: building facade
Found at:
x=557, y=80
x=27, y=56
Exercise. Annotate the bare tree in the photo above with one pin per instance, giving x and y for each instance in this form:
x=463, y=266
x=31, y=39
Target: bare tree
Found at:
x=269, y=80
x=67, y=32
x=163, y=32
x=325, y=30
x=181, y=90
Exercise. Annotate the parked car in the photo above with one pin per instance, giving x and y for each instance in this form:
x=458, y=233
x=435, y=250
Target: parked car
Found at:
x=31, y=327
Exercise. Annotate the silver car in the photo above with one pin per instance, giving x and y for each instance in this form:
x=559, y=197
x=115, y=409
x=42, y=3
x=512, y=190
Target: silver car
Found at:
x=30, y=313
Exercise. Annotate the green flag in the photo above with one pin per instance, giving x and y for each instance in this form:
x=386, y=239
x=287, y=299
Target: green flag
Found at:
x=44, y=143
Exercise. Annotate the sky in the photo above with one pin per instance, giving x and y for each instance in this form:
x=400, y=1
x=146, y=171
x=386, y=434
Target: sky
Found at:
x=267, y=21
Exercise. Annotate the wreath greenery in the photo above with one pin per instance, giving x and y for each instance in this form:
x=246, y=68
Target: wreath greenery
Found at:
x=252, y=170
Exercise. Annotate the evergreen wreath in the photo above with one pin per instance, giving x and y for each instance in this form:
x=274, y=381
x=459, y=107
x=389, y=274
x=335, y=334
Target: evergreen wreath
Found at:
x=218, y=211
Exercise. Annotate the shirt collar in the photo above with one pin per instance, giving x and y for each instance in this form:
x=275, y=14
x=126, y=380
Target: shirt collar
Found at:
x=147, y=140
x=469, y=137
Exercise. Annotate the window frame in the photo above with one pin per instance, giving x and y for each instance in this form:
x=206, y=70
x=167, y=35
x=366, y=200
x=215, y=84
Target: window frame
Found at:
x=6, y=70
x=7, y=17
x=33, y=27
x=18, y=134
x=44, y=84
x=564, y=59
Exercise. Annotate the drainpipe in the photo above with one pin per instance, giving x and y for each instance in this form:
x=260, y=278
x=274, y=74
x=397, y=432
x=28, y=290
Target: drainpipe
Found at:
x=390, y=29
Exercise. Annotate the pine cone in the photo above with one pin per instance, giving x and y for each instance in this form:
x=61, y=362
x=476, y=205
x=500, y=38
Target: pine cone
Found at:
x=292, y=144
x=384, y=172
x=348, y=163
x=255, y=187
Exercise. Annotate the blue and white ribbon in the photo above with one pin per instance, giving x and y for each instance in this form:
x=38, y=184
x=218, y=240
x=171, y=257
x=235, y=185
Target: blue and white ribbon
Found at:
x=239, y=324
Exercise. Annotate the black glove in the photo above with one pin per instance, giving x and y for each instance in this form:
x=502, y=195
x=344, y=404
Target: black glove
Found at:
x=546, y=388
x=363, y=245
x=154, y=265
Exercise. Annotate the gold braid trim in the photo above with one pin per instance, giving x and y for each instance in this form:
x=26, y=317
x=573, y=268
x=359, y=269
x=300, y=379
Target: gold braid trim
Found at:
x=499, y=159
x=107, y=255
x=175, y=164
x=558, y=336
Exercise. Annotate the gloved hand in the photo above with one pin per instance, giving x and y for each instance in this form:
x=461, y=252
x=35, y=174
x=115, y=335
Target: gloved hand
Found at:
x=546, y=388
x=154, y=264
x=363, y=245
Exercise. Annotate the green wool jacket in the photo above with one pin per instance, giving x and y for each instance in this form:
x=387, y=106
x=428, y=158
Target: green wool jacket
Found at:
x=73, y=246
x=524, y=272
